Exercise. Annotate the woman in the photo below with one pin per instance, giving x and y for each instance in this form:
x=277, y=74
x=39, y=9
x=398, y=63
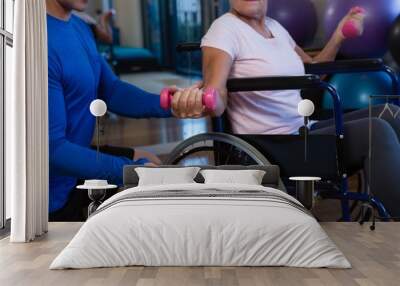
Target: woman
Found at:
x=245, y=43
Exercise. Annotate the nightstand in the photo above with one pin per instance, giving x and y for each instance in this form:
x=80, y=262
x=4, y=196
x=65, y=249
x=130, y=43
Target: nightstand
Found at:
x=96, y=193
x=305, y=190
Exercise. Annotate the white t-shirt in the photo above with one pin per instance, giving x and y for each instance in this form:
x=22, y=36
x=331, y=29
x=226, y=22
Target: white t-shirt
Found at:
x=259, y=112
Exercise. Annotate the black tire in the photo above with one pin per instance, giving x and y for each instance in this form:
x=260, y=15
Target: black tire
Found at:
x=186, y=148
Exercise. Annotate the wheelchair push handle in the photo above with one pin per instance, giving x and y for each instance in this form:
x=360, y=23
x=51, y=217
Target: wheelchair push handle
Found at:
x=209, y=99
x=188, y=47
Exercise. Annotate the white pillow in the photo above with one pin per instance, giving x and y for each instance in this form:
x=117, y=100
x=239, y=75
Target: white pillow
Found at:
x=166, y=176
x=242, y=177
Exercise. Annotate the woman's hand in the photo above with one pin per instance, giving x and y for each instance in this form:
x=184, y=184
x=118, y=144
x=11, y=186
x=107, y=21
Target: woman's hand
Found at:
x=188, y=102
x=105, y=18
x=355, y=15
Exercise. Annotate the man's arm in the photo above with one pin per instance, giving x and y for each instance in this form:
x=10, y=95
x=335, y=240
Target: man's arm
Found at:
x=67, y=158
x=126, y=99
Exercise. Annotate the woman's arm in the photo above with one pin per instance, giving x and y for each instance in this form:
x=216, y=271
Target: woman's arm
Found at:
x=187, y=103
x=328, y=54
x=332, y=47
x=103, y=29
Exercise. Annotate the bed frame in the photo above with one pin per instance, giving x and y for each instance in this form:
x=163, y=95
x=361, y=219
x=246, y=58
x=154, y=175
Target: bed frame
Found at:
x=271, y=178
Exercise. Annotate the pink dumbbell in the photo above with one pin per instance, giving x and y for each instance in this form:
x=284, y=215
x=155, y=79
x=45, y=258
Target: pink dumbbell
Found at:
x=350, y=28
x=209, y=98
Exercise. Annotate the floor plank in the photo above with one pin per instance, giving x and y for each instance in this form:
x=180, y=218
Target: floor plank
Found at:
x=375, y=257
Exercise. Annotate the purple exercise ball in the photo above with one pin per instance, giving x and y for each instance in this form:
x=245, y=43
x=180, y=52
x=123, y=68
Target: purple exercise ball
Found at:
x=394, y=42
x=299, y=17
x=380, y=15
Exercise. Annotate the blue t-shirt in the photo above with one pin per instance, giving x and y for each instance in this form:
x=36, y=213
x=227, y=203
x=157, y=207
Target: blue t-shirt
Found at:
x=77, y=76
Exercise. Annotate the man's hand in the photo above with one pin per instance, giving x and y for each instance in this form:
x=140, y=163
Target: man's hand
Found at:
x=188, y=102
x=141, y=154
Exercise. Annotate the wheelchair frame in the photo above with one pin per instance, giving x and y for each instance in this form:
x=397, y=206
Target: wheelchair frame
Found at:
x=312, y=80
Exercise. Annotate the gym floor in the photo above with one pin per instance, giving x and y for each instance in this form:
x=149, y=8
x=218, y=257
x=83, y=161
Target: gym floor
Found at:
x=160, y=136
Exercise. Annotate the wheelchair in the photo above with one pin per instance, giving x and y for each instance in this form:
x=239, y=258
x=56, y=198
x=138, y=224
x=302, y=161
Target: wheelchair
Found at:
x=325, y=157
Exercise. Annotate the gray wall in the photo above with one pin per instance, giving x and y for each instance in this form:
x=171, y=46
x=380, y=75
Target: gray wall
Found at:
x=129, y=20
x=93, y=6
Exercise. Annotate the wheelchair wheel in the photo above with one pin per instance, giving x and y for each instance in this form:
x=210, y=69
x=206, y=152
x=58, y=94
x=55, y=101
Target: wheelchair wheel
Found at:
x=216, y=149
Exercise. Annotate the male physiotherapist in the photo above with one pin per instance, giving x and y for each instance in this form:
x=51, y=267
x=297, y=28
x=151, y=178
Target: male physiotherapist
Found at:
x=78, y=75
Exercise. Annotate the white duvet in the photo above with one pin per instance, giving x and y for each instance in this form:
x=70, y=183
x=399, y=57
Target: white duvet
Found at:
x=203, y=231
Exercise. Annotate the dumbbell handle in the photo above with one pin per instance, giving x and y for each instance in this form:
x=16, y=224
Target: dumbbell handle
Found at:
x=350, y=28
x=209, y=99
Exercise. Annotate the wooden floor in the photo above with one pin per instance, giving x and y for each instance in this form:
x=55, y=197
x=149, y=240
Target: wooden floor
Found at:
x=375, y=257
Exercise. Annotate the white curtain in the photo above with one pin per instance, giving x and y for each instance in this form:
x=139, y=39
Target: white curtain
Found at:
x=27, y=124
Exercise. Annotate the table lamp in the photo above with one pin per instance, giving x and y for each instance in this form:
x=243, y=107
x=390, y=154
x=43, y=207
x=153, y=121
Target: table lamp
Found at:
x=306, y=108
x=98, y=108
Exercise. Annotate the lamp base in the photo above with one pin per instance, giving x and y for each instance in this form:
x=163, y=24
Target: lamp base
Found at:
x=305, y=190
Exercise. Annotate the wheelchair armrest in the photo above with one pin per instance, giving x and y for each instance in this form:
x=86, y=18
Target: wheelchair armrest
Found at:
x=346, y=66
x=342, y=66
x=273, y=83
x=188, y=47
x=290, y=83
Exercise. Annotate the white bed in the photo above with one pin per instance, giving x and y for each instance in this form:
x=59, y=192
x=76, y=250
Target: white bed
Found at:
x=224, y=225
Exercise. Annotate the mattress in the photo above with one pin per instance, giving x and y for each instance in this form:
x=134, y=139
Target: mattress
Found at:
x=201, y=225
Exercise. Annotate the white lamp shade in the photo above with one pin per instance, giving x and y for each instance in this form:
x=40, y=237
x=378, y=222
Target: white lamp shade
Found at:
x=98, y=108
x=306, y=108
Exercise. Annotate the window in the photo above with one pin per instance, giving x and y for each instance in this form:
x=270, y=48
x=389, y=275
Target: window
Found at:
x=6, y=43
x=170, y=22
x=9, y=15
